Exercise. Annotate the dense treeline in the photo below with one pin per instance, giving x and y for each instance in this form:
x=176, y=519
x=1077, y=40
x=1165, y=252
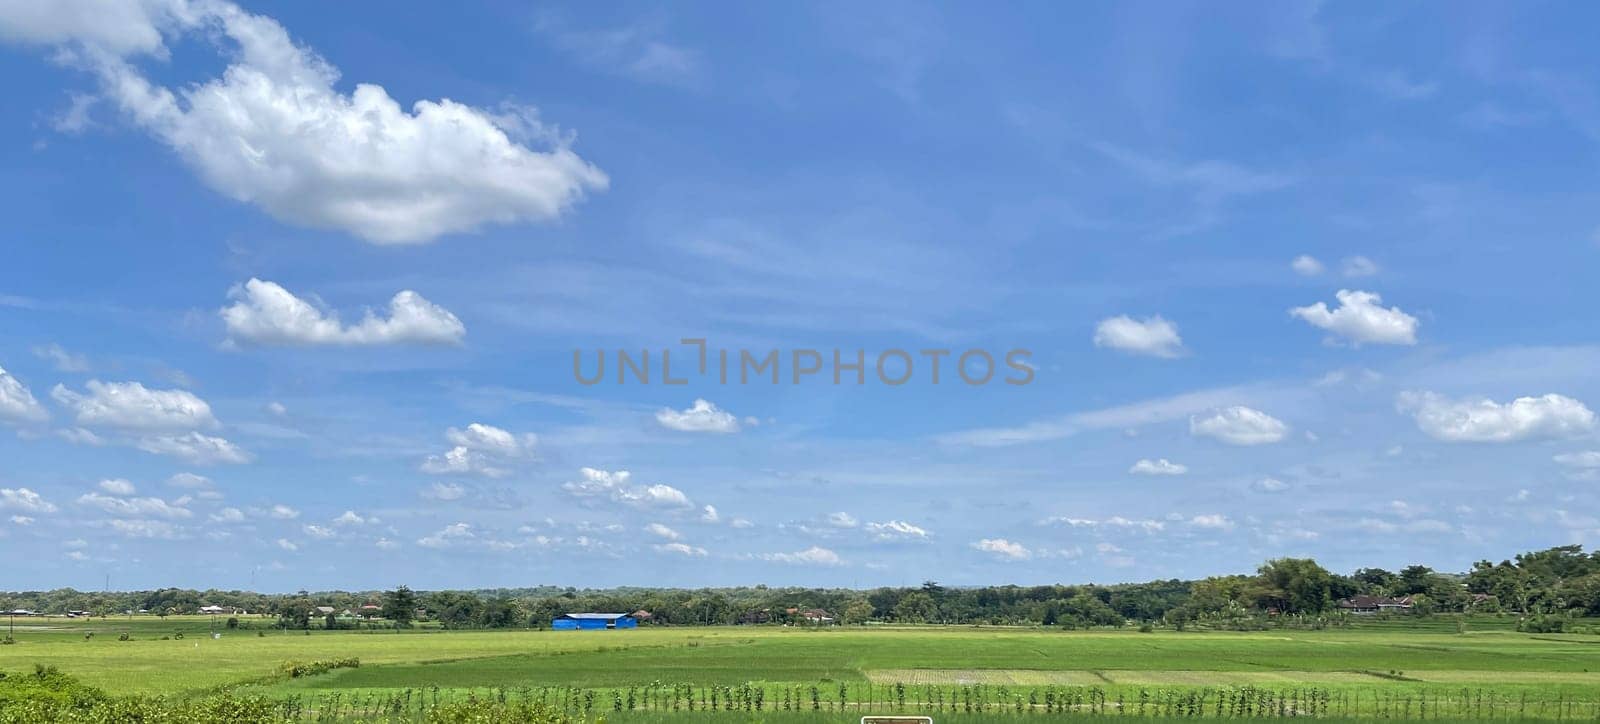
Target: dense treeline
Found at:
x=1550, y=583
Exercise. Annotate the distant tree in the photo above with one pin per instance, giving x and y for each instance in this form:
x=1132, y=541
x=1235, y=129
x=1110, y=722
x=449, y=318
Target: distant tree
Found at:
x=915, y=607
x=1295, y=585
x=400, y=606
x=858, y=610
x=296, y=613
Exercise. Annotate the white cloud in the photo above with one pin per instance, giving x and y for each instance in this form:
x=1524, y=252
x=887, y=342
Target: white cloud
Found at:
x=287, y=544
x=1004, y=549
x=385, y=544
x=842, y=520
x=277, y=409
x=228, y=515
x=1154, y=337
x=1160, y=466
x=618, y=487
x=1358, y=266
x=488, y=438
x=814, y=556
x=662, y=531
x=189, y=481
x=682, y=549
x=317, y=531
x=1270, y=485
x=702, y=416
x=195, y=448
x=265, y=313
x=1484, y=420
x=134, y=507
x=17, y=404
x=1116, y=521
x=1306, y=266
x=1361, y=319
x=444, y=492
x=351, y=517
x=896, y=530
x=709, y=514
x=283, y=512
x=1212, y=521
x=1581, y=465
x=21, y=520
x=24, y=500
x=145, y=529
x=273, y=131
x=117, y=486
x=481, y=450
x=1239, y=425
x=63, y=360
x=132, y=406
x=448, y=536
x=80, y=436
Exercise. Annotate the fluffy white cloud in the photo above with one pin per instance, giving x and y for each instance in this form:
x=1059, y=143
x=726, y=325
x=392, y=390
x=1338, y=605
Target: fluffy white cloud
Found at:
x=117, y=486
x=682, y=549
x=1115, y=521
x=444, y=492
x=1004, y=549
x=702, y=416
x=134, y=507
x=1306, y=265
x=288, y=545
x=228, y=515
x=145, y=529
x=1239, y=425
x=1361, y=319
x=351, y=517
x=842, y=520
x=1270, y=485
x=1154, y=337
x=480, y=450
x=16, y=402
x=618, y=487
x=709, y=514
x=24, y=500
x=283, y=512
x=273, y=130
x=488, y=438
x=132, y=406
x=61, y=359
x=448, y=536
x=317, y=531
x=659, y=530
x=1484, y=420
x=22, y=520
x=265, y=313
x=813, y=556
x=1160, y=466
x=195, y=448
x=1581, y=465
x=896, y=530
x=1358, y=266
x=189, y=481
x=1214, y=521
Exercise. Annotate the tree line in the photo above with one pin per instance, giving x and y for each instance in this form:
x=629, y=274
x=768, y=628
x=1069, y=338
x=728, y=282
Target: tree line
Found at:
x=1558, y=581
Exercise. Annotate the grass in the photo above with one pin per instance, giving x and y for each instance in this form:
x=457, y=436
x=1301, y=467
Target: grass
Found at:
x=1369, y=667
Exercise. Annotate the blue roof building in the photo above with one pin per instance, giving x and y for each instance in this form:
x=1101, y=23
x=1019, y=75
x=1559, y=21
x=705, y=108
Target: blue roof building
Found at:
x=593, y=621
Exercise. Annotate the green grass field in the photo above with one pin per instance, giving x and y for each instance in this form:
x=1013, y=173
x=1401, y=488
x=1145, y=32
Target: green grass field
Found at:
x=1372, y=666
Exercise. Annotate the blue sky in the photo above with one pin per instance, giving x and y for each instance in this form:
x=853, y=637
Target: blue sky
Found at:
x=291, y=292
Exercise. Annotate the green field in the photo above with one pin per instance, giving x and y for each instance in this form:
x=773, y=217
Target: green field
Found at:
x=1365, y=670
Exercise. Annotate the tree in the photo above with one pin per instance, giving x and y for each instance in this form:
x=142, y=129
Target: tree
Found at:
x=858, y=610
x=296, y=613
x=400, y=606
x=1295, y=585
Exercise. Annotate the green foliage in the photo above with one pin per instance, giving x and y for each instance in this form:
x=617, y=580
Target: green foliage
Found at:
x=297, y=669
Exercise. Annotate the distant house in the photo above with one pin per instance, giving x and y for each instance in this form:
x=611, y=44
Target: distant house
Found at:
x=221, y=609
x=1375, y=604
x=371, y=609
x=593, y=621
x=816, y=615
x=324, y=610
x=642, y=615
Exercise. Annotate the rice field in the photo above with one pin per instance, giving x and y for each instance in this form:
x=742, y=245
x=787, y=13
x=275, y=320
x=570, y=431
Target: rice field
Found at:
x=1388, y=671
